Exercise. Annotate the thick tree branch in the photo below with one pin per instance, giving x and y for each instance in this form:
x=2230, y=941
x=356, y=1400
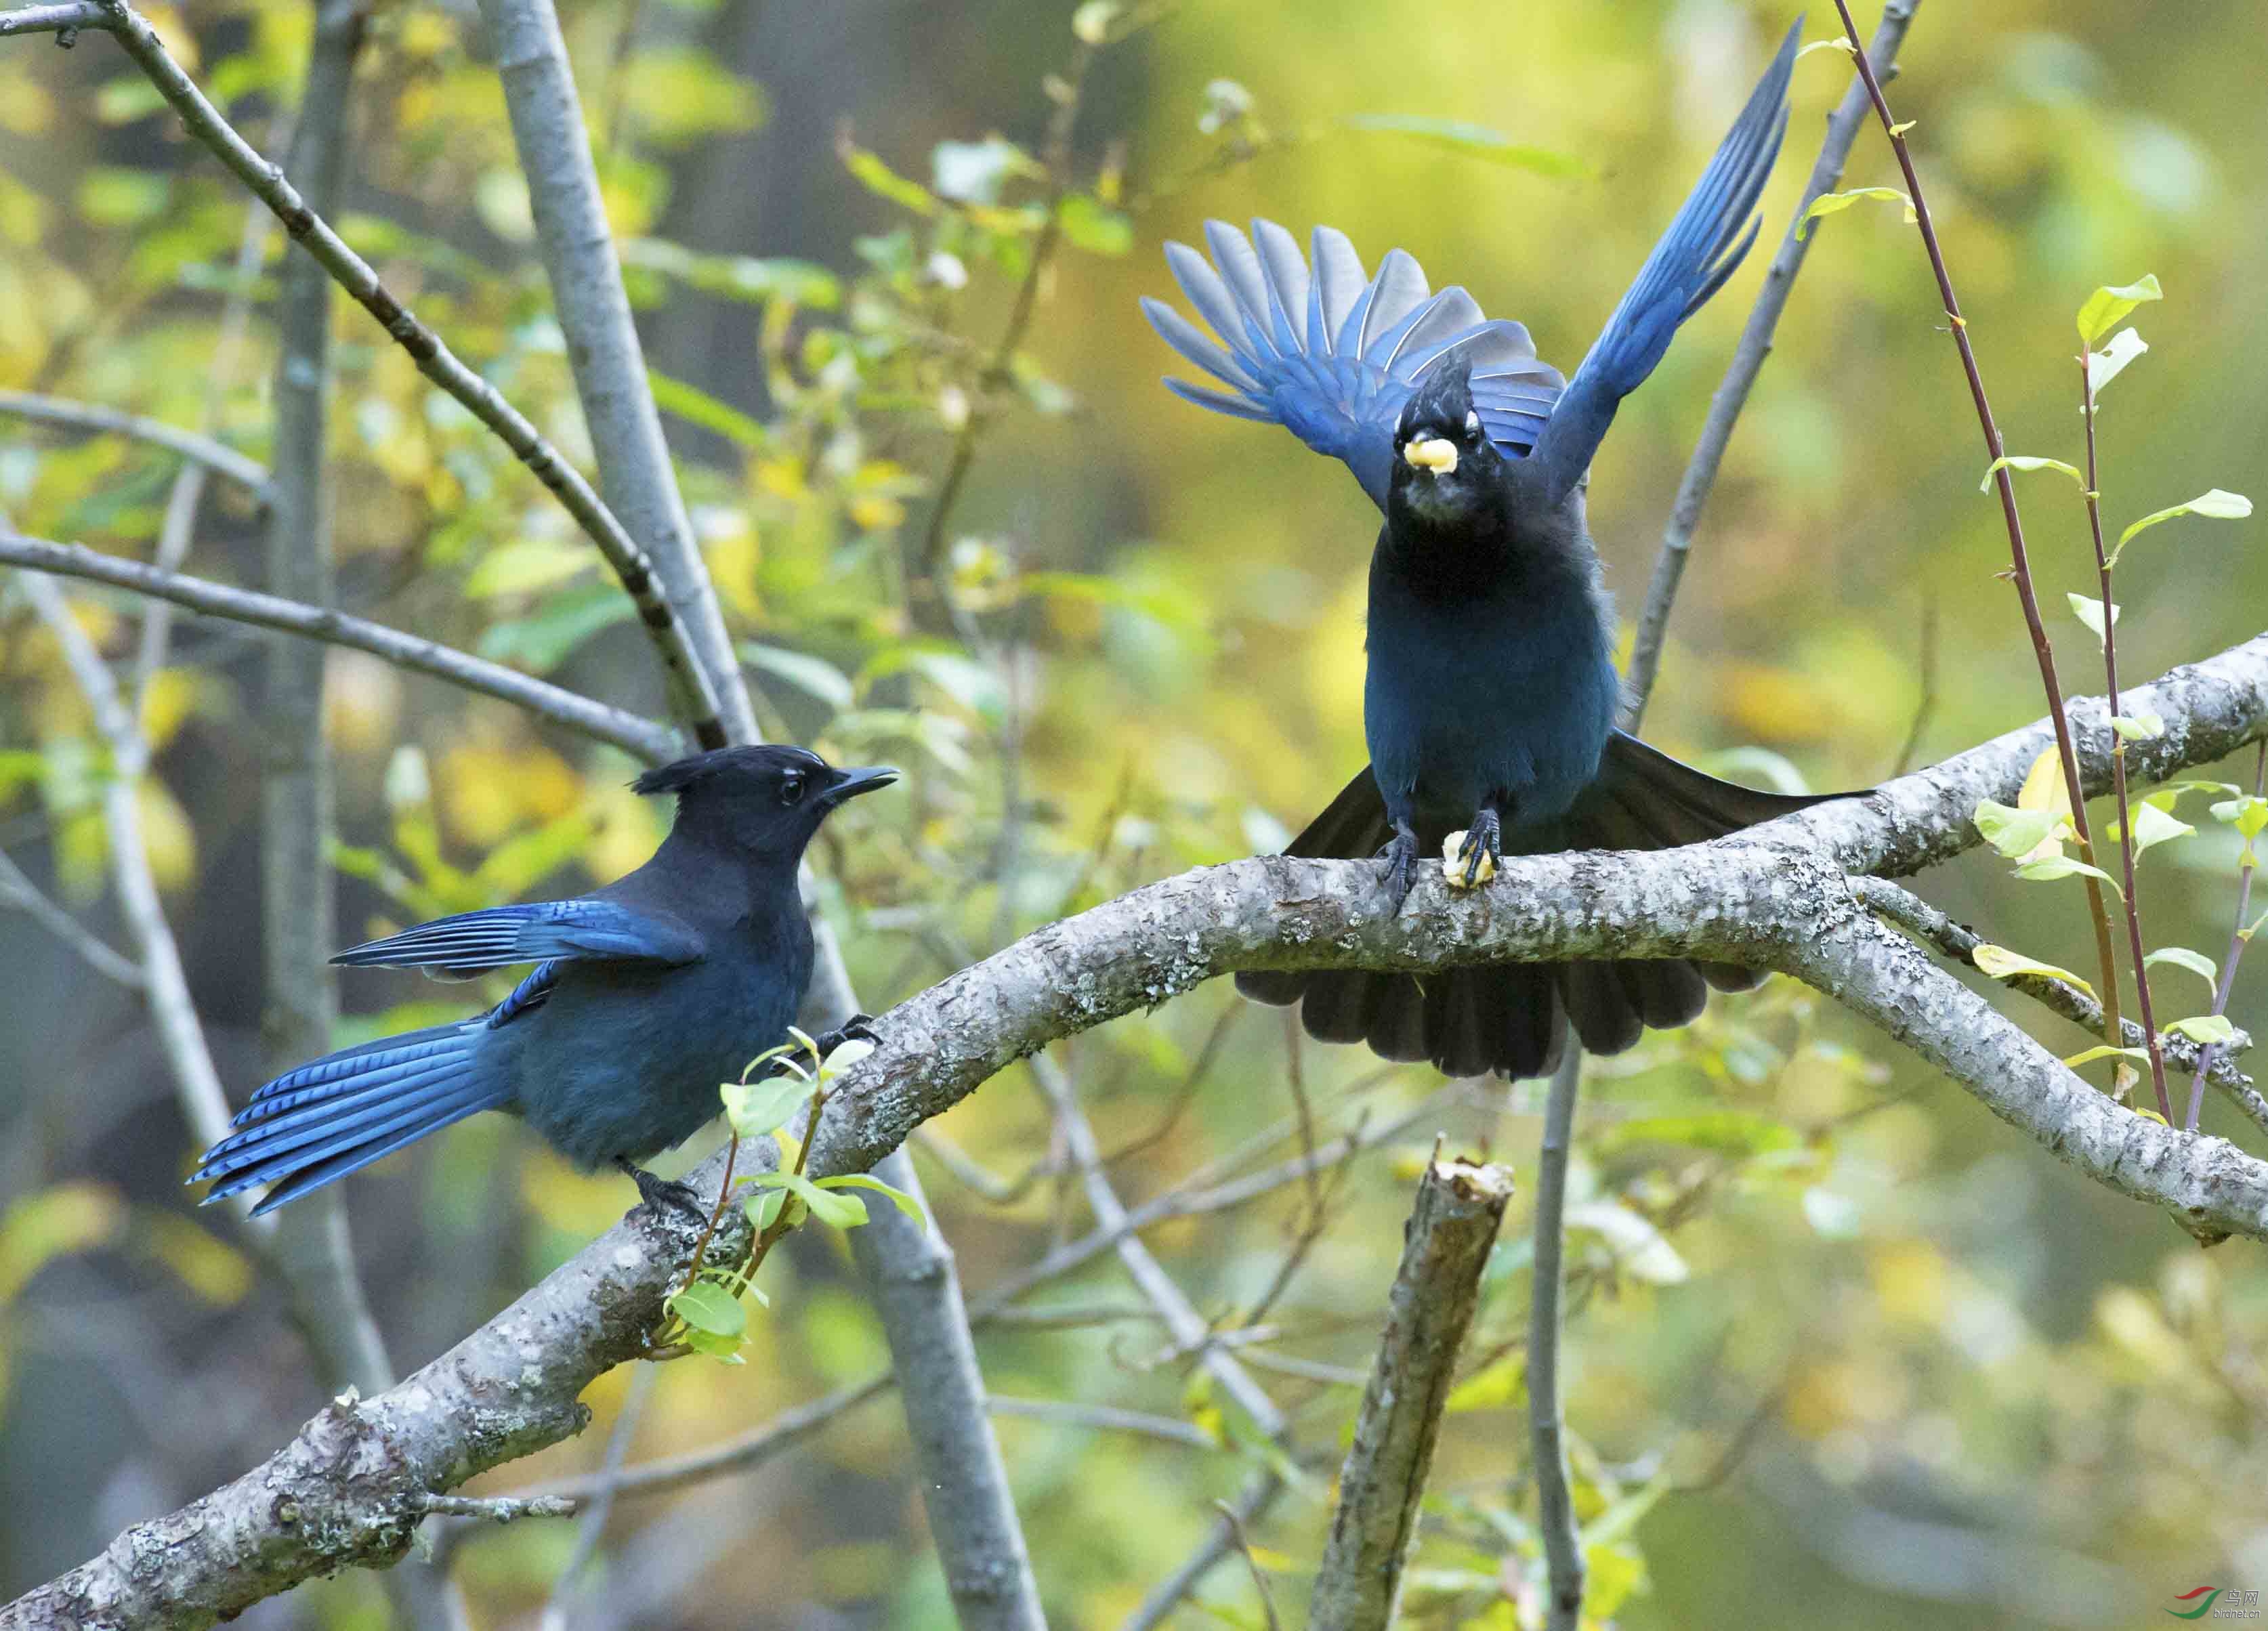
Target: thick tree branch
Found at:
x=632, y=733
x=1445, y=1246
x=1777, y=897
x=1564, y=1574
x=433, y=357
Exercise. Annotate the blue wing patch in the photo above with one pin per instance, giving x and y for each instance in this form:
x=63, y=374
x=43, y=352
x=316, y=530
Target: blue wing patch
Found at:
x=503, y=936
x=1311, y=343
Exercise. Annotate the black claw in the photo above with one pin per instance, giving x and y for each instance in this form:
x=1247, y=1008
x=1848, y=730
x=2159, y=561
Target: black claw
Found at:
x=659, y=1194
x=860, y=1027
x=1484, y=837
x=1401, y=865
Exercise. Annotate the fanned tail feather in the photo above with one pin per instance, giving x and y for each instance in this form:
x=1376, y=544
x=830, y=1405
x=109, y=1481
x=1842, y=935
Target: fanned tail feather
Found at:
x=348, y=1109
x=1514, y=1019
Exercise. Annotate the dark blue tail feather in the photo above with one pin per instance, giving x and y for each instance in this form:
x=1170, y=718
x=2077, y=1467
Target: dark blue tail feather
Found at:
x=346, y=1110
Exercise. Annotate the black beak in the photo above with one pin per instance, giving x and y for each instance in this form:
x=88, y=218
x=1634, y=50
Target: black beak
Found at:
x=859, y=779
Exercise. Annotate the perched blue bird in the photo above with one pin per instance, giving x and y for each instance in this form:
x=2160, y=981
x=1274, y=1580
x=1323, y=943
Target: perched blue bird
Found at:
x=646, y=996
x=1490, y=696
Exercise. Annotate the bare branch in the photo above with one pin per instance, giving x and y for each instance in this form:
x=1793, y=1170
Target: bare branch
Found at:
x=203, y=451
x=602, y=342
x=65, y=20
x=19, y=890
x=1748, y=362
x=1104, y=1418
x=632, y=733
x=1445, y=1246
x=433, y=357
x=1547, y=1422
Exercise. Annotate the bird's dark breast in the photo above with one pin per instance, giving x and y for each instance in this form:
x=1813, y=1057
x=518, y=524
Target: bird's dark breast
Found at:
x=1485, y=695
x=674, y=1036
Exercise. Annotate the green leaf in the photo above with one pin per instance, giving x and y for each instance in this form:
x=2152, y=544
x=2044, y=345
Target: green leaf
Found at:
x=1835, y=42
x=1833, y=203
x=1637, y=1245
x=2055, y=867
x=707, y=1306
x=527, y=565
x=1095, y=227
x=2088, y=610
x=763, y=1207
x=2141, y=1056
x=695, y=406
x=2248, y=815
x=726, y=1348
x=2108, y=362
x=2212, y=503
x=2002, y=964
x=973, y=173
x=868, y=170
x=2154, y=826
x=2180, y=957
x=840, y=1211
x=2023, y=461
x=866, y=1180
x=1473, y=141
x=2140, y=728
x=2205, y=1028
x=1731, y=1132
x=2107, y=305
x=2015, y=833
x=761, y=1107
x=814, y=676
x=542, y=640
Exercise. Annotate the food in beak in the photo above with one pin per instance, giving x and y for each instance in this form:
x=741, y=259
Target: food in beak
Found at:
x=1435, y=454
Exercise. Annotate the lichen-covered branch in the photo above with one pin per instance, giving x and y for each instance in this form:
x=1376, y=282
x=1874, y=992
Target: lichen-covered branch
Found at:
x=1778, y=897
x=1445, y=1245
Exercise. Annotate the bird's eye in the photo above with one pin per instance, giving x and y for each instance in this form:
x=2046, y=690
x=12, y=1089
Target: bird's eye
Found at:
x=792, y=790
x=1472, y=421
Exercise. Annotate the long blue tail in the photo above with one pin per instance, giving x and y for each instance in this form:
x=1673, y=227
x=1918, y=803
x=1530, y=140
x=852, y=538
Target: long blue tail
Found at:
x=342, y=1112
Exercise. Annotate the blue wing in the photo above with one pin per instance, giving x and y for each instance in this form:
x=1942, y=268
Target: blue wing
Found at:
x=546, y=930
x=1330, y=355
x=1701, y=249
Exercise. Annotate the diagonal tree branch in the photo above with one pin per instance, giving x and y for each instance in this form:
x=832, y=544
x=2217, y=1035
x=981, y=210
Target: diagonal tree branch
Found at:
x=634, y=734
x=679, y=656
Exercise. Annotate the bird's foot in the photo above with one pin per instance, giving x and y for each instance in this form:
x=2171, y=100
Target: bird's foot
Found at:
x=858, y=1028
x=658, y=1195
x=1473, y=861
x=1401, y=865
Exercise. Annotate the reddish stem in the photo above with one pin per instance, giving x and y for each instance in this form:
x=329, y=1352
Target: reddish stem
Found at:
x=2020, y=561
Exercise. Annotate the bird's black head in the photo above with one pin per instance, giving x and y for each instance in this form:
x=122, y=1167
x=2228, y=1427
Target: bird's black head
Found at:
x=768, y=800
x=1445, y=469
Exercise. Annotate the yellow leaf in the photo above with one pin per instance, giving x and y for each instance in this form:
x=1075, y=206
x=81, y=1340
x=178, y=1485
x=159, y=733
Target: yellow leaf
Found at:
x=168, y=838
x=209, y=1267
x=52, y=1223
x=173, y=693
x=2044, y=789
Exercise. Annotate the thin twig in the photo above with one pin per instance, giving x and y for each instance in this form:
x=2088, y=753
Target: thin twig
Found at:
x=433, y=357
x=2211, y=1058
x=1928, y=705
x=201, y=451
x=18, y=890
x=592, y=1529
x=1236, y=1522
x=1103, y=1417
x=495, y=1509
x=1959, y=942
x=1261, y=1492
x=65, y=20
x=1563, y=1550
x=642, y=738
x=2019, y=561
x=2132, y=899
x=1748, y=357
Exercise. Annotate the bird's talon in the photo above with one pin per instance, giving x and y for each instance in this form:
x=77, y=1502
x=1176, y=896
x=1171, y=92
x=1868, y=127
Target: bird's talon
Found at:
x=658, y=1195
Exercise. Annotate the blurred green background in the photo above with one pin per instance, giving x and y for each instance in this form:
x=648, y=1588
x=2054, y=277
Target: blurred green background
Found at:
x=1847, y=1351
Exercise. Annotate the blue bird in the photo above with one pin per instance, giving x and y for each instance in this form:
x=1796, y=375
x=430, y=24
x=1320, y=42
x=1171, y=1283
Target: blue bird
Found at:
x=646, y=996
x=1490, y=692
